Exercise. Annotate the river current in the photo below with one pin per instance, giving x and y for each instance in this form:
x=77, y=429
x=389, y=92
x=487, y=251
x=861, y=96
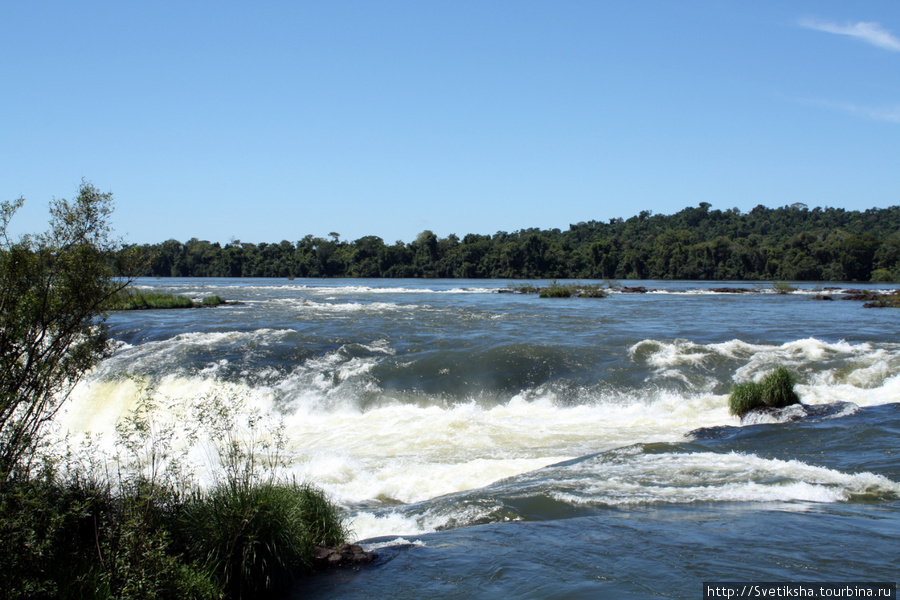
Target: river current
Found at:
x=500, y=445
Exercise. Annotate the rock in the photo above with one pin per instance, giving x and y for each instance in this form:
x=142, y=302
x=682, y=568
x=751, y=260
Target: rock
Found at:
x=638, y=289
x=730, y=290
x=771, y=414
x=868, y=297
x=823, y=297
x=345, y=555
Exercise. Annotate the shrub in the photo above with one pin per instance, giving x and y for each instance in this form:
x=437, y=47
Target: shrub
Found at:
x=75, y=537
x=776, y=390
x=782, y=287
x=54, y=288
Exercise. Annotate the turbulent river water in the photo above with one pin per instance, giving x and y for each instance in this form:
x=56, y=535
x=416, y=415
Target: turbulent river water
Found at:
x=498, y=445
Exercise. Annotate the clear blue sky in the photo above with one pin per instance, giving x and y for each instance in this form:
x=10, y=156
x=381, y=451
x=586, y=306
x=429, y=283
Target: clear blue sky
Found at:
x=271, y=120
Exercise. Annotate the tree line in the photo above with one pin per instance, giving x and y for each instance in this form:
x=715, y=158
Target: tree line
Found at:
x=698, y=243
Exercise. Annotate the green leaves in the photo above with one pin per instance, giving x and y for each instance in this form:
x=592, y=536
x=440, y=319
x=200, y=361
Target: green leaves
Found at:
x=53, y=289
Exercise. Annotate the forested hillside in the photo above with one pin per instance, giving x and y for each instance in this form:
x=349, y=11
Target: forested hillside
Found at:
x=787, y=243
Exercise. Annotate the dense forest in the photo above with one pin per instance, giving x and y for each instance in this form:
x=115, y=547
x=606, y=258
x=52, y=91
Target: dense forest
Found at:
x=789, y=243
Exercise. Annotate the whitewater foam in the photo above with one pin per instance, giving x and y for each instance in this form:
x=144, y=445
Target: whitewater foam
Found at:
x=622, y=478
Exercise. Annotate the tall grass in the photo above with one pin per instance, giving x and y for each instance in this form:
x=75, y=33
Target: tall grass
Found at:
x=136, y=300
x=776, y=390
x=136, y=525
x=254, y=538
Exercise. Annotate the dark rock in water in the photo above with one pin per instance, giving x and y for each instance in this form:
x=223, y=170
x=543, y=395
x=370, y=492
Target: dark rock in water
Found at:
x=823, y=297
x=868, y=297
x=712, y=433
x=730, y=290
x=638, y=289
x=882, y=304
x=345, y=555
x=792, y=412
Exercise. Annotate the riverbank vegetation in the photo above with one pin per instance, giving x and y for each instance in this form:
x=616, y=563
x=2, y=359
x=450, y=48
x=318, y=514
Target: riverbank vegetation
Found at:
x=791, y=243
x=80, y=523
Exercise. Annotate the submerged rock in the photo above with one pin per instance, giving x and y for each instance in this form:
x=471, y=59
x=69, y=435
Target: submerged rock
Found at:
x=868, y=297
x=770, y=414
x=345, y=555
x=638, y=289
x=731, y=290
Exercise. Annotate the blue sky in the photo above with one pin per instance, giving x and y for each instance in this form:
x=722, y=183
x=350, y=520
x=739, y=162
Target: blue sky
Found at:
x=272, y=120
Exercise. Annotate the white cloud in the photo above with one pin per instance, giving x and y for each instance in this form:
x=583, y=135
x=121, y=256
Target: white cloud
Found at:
x=871, y=33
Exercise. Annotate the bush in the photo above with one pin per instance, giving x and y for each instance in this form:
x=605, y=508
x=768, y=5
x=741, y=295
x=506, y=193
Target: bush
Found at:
x=776, y=390
x=782, y=287
x=77, y=538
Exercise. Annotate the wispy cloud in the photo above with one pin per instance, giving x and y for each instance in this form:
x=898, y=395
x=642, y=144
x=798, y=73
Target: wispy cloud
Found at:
x=888, y=114
x=872, y=33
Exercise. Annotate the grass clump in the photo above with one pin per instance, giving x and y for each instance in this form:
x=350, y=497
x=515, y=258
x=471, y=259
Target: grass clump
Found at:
x=557, y=290
x=135, y=300
x=569, y=290
x=521, y=288
x=562, y=290
x=776, y=390
x=592, y=291
x=257, y=538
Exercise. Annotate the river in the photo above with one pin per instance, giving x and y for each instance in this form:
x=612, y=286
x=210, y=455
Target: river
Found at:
x=500, y=445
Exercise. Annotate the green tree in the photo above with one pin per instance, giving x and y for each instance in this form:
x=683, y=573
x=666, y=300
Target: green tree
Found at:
x=53, y=290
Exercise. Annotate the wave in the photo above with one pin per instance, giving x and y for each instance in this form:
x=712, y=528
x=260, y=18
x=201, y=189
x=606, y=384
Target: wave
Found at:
x=305, y=305
x=864, y=373
x=316, y=288
x=379, y=425
x=640, y=475
x=634, y=476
